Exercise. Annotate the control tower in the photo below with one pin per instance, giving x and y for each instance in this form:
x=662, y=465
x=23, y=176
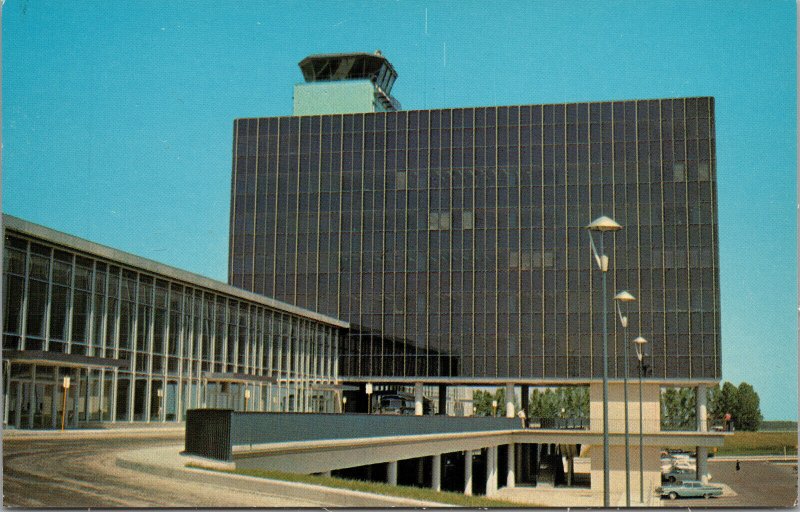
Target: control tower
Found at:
x=345, y=83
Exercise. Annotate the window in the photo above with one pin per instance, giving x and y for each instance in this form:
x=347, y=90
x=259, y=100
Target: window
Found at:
x=679, y=171
x=433, y=221
x=703, y=173
x=400, y=181
x=466, y=220
x=438, y=221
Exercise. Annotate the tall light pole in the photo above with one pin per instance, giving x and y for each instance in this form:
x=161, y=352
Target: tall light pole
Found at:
x=603, y=224
x=640, y=343
x=624, y=298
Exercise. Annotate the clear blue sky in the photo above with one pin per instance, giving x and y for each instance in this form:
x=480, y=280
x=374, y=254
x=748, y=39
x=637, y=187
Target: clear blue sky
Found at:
x=117, y=116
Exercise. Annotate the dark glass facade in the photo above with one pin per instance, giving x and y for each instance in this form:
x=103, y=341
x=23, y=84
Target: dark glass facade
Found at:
x=453, y=240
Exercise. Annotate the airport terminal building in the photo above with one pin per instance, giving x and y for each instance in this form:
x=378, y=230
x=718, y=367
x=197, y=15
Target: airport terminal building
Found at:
x=373, y=246
x=141, y=341
x=453, y=240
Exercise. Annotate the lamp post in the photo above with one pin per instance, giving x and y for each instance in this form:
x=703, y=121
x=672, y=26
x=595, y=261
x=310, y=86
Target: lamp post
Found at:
x=640, y=343
x=603, y=224
x=368, y=391
x=624, y=298
x=160, y=394
x=246, y=397
x=494, y=408
x=344, y=404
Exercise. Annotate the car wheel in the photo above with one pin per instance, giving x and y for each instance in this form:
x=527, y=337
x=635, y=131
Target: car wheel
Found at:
x=673, y=495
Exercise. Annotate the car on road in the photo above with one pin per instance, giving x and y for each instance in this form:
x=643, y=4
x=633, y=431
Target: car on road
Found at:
x=689, y=489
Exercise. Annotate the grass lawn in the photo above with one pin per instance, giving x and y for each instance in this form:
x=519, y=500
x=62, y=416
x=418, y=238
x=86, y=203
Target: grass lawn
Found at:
x=400, y=491
x=760, y=443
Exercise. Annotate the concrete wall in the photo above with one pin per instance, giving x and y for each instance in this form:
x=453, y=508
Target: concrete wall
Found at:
x=652, y=473
x=651, y=407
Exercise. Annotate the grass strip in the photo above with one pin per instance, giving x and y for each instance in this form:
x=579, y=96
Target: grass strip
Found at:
x=759, y=443
x=399, y=491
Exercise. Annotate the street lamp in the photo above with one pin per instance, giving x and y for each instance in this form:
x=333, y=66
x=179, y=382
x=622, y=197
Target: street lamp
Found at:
x=344, y=404
x=624, y=298
x=603, y=224
x=494, y=408
x=640, y=343
x=246, y=397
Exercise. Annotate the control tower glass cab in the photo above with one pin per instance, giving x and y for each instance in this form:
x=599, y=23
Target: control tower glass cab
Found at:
x=345, y=83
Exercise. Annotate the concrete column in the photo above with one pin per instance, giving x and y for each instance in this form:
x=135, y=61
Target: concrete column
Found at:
x=491, y=470
x=512, y=466
x=702, y=408
x=418, y=399
x=510, y=412
x=524, y=397
x=468, y=473
x=391, y=472
x=326, y=473
x=570, y=469
x=702, y=464
x=436, y=473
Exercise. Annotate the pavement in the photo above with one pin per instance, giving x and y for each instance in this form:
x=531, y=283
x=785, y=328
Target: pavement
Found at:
x=169, y=462
x=133, y=468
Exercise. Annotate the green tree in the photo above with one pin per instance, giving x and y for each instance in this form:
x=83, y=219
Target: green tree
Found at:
x=482, y=402
x=724, y=402
x=574, y=400
x=678, y=409
x=747, y=414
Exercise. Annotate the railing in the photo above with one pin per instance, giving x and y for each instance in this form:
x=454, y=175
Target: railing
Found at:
x=214, y=432
x=559, y=423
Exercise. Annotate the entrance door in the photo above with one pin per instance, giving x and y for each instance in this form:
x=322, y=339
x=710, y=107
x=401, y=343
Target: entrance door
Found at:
x=43, y=405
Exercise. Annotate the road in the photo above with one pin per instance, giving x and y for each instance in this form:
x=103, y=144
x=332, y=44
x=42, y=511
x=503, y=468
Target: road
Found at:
x=81, y=472
x=757, y=484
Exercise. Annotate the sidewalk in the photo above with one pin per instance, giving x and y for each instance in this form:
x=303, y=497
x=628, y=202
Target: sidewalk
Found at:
x=168, y=462
x=138, y=431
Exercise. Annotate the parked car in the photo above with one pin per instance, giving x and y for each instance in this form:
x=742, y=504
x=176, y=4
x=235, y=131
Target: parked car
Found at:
x=677, y=475
x=689, y=489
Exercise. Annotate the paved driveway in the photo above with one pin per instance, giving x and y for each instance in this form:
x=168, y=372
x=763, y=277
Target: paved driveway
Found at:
x=757, y=484
x=80, y=472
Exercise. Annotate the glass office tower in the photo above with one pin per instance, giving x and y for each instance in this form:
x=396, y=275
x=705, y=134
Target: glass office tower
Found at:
x=453, y=240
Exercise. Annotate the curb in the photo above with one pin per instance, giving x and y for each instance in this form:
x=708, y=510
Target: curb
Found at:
x=89, y=433
x=325, y=496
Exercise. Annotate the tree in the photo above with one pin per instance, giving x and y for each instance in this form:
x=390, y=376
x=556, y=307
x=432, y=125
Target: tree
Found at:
x=574, y=400
x=722, y=401
x=482, y=402
x=747, y=415
x=678, y=409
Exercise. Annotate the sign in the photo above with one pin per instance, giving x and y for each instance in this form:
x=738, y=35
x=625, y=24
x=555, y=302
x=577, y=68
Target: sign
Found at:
x=160, y=392
x=65, y=384
x=247, y=393
x=369, y=388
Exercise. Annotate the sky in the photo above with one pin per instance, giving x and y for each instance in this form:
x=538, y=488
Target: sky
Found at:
x=117, y=117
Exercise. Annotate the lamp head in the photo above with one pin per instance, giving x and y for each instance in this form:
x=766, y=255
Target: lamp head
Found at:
x=624, y=296
x=603, y=223
x=640, y=343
